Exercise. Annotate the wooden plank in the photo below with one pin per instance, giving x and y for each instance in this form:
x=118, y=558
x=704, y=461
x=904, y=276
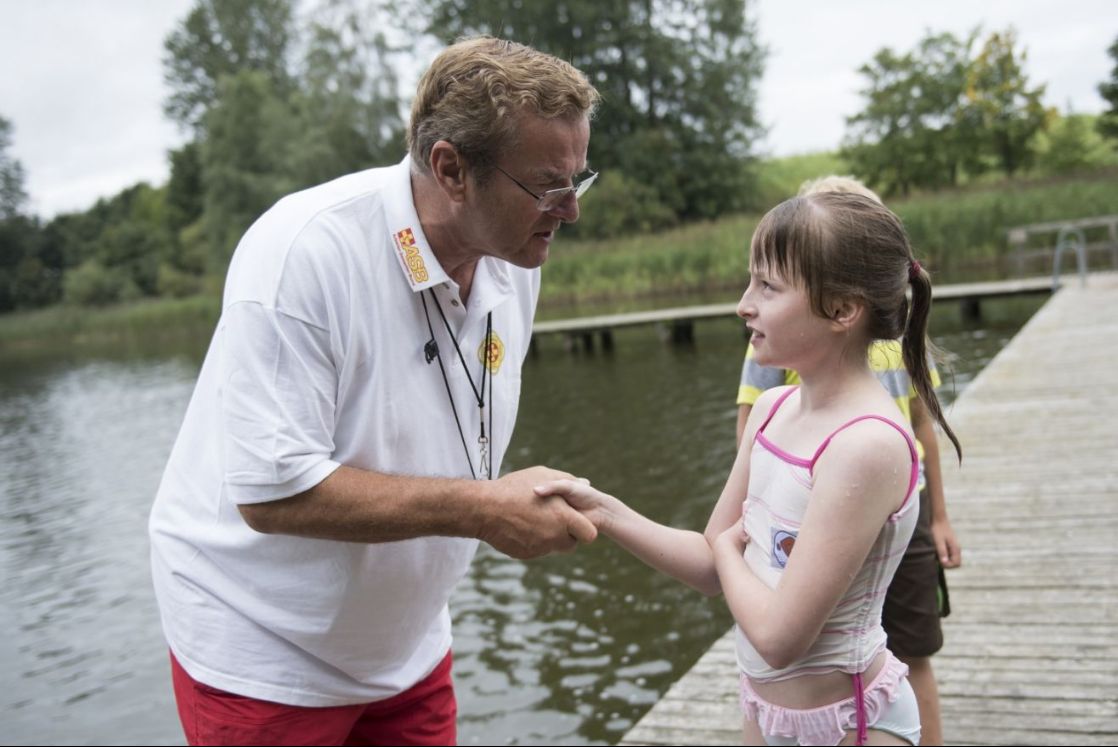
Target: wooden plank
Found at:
x=1018, y=707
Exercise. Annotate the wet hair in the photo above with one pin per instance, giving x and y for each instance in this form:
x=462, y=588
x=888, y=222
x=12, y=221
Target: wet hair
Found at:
x=475, y=92
x=847, y=246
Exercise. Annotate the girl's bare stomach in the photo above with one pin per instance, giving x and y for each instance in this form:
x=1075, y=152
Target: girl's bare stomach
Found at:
x=814, y=690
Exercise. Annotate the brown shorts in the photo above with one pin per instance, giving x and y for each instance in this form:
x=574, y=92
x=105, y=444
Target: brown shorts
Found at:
x=917, y=597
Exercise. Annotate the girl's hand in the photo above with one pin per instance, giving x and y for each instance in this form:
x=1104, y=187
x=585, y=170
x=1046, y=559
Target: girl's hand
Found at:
x=590, y=502
x=734, y=539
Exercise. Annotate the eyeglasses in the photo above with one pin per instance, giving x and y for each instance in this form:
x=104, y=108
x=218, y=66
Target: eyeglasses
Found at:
x=551, y=199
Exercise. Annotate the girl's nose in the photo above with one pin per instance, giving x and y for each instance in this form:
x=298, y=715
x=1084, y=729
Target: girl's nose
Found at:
x=745, y=308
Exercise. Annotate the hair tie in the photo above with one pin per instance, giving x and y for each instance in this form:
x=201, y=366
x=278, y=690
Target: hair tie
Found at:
x=914, y=270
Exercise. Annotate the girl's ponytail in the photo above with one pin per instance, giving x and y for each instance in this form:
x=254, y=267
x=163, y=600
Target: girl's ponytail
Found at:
x=914, y=345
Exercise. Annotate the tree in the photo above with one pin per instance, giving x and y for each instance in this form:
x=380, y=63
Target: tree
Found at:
x=184, y=188
x=1073, y=143
x=348, y=98
x=12, y=196
x=246, y=158
x=1001, y=102
x=677, y=78
x=220, y=38
x=910, y=134
x=1108, y=123
x=26, y=280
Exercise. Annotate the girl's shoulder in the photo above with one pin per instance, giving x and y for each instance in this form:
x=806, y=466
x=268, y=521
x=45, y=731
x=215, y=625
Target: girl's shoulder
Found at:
x=769, y=400
x=872, y=449
x=770, y=397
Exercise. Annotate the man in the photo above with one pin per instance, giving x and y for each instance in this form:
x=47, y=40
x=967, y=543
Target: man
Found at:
x=917, y=596
x=337, y=463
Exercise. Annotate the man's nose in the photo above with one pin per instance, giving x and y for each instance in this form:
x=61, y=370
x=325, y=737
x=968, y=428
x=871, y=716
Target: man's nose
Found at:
x=567, y=210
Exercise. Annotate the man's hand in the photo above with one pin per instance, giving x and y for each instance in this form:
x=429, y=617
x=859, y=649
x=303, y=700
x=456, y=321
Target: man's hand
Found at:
x=524, y=525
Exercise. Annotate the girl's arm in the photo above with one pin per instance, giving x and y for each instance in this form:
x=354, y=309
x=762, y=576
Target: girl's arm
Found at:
x=859, y=481
x=684, y=555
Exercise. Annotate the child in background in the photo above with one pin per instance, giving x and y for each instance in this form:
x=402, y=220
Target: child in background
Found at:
x=821, y=500
x=917, y=598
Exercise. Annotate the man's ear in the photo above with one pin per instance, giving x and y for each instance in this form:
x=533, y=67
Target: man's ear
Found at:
x=844, y=313
x=449, y=170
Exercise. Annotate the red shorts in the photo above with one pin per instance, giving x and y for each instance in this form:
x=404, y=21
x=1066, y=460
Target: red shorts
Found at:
x=424, y=715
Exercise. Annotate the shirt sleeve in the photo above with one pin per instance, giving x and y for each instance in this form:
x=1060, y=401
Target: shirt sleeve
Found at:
x=279, y=387
x=756, y=378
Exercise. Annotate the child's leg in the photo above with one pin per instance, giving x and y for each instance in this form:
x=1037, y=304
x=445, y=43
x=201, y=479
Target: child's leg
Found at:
x=751, y=732
x=923, y=680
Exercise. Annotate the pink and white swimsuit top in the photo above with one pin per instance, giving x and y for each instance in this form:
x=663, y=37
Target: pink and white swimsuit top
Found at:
x=780, y=487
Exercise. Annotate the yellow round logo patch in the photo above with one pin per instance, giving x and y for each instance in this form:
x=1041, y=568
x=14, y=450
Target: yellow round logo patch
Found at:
x=494, y=356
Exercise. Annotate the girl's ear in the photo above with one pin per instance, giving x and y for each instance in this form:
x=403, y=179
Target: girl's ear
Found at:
x=449, y=170
x=845, y=313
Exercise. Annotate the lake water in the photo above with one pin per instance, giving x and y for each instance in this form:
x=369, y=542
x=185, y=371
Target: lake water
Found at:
x=571, y=649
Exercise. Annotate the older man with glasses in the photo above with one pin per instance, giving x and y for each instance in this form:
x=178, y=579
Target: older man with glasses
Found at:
x=339, y=460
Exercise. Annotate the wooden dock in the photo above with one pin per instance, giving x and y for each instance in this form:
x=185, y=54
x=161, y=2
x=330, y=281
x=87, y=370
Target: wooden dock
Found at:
x=679, y=320
x=1031, y=652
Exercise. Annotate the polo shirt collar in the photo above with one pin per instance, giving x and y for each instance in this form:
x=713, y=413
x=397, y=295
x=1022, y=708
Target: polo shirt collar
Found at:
x=417, y=263
x=413, y=252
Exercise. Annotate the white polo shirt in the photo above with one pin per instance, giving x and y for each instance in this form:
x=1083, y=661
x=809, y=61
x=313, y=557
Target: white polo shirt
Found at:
x=318, y=361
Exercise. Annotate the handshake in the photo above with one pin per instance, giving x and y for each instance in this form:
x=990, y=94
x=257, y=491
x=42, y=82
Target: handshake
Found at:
x=538, y=511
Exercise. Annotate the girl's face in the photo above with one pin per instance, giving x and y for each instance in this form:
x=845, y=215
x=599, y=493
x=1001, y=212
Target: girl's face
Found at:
x=786, y=332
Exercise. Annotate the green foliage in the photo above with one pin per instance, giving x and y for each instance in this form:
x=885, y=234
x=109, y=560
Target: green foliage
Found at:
x=937, y=113
x=144, y=324
x=12, y=194
x=93, y=284
x=245, y=158
x=1108, y=122
x=781, y=178
x=174, y=283
x=1002, y=105
x=219, y=38
x=704, y=255
x=906, y=136
x=617, y=205
x=348, y=102
x=1073, y=144
x=185, y=189
x=677, y=78
x=963, y=232
x=960, y=235
x=26, y=277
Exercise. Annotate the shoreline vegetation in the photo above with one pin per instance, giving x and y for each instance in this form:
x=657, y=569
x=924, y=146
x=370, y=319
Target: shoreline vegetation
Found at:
x=960, y=235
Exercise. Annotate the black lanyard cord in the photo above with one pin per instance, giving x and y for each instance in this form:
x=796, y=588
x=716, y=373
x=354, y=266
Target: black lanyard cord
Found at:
x=431, y=350
x=485, y=367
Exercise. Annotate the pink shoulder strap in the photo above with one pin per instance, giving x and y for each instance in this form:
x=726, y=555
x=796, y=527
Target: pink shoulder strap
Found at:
x=915, y=472
x=776, y=406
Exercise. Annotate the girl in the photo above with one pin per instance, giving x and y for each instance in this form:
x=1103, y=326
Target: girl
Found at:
x=821, y=502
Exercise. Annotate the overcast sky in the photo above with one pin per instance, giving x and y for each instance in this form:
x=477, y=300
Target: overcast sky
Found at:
x=82, y=80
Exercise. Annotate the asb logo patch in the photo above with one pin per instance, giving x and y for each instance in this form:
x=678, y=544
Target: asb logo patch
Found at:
x=409, y=252
x=494, y=356
x=782, y=543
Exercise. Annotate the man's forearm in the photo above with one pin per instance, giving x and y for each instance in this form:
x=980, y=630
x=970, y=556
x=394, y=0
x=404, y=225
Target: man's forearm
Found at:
x=355, y=505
